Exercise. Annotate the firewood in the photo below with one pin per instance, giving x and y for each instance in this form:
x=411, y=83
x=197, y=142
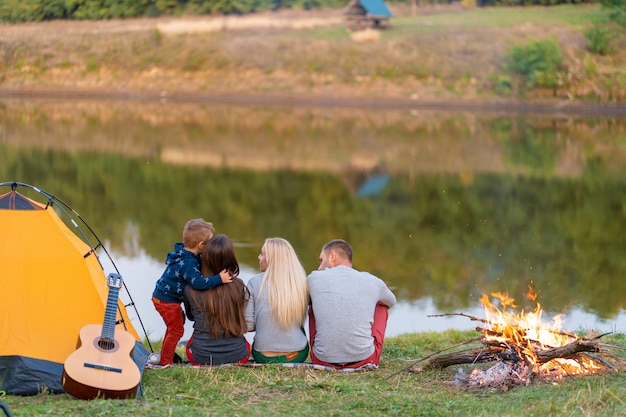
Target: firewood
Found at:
x=492, y=353
x=476, y=355
x=434, y=354
x=520, y=359
x=567, y=351
x=473, y=318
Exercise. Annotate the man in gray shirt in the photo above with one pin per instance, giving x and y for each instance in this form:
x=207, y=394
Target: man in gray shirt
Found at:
x=348, y=312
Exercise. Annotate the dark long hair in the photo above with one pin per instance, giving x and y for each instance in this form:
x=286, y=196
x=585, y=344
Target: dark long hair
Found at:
x=223, y=305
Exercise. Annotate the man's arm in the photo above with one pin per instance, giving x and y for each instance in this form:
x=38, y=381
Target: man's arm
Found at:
x=386, y=296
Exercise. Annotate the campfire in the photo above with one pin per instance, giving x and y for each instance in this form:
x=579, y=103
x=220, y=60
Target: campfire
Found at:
x=524, y=347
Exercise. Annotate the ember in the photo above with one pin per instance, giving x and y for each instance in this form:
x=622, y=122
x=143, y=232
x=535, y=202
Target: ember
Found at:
x=524, y=347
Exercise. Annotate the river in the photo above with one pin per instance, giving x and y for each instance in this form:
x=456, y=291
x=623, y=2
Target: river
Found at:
x=443, y=205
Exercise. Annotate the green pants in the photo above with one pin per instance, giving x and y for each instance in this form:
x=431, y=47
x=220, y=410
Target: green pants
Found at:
x=260, y=358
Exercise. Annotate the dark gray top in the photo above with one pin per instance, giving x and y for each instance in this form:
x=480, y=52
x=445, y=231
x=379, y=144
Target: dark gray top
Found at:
x=206, y=349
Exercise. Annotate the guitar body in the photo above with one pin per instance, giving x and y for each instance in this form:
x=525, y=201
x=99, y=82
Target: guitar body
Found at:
x=95, y=372
x=102, y=366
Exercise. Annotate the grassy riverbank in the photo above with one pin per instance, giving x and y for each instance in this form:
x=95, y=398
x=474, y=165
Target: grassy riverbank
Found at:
x=440, y=53
x=274, y=390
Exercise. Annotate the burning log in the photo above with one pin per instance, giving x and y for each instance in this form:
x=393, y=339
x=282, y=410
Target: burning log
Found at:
x=514, y=366
x=492, y=353
x=523, y=349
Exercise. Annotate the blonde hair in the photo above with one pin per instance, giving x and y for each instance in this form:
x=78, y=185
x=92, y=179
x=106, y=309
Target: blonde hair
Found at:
x=196, y=231
x=285, y=283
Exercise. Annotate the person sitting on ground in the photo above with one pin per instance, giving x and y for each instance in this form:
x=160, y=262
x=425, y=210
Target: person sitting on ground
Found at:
x=348, y=312
x=183, y=268
x=277, y=309
x=218, y=313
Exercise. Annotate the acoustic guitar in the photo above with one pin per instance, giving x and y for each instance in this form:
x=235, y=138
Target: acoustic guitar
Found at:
x=102, y=366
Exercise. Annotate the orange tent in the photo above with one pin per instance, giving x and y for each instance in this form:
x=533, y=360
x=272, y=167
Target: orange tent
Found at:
x=51, y=285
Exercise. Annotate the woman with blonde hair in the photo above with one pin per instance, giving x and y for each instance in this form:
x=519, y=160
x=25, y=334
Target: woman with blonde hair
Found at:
x=218, y=313
x=277, y=308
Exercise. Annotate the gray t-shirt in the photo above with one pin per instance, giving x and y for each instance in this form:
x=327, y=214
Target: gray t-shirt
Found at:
x=343, y=301
x=269, y=337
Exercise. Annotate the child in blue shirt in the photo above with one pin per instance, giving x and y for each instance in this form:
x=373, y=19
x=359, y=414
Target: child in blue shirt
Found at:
x=183, y=268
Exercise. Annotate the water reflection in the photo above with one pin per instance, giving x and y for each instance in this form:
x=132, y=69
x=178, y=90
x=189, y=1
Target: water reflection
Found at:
x=471, y=204
x=408, y=316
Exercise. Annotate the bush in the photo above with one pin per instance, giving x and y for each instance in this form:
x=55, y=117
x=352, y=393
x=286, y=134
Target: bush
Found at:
x=617, y=11
x=14, y=11
x=538, y=62
x=599, y=39
x=503, y=85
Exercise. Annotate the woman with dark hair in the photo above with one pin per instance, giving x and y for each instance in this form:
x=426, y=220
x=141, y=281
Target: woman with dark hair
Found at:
x=218, y=313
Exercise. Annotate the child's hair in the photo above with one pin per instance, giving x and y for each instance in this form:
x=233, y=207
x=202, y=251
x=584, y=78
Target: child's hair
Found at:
x=196, y=231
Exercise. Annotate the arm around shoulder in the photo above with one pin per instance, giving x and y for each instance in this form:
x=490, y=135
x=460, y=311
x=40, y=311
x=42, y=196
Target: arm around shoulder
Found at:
x=193, y=277
x=226, y=277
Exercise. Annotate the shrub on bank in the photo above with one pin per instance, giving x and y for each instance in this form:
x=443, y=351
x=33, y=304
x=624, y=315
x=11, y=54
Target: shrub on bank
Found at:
x=538, y=62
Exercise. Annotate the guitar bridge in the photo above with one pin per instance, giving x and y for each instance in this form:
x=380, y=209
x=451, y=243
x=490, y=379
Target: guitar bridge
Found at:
x=102, y=367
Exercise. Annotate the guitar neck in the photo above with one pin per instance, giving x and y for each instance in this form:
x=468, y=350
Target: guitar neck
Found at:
x=110, y=314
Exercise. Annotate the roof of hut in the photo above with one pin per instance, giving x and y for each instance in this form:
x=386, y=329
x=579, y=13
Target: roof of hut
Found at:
x=371, y=7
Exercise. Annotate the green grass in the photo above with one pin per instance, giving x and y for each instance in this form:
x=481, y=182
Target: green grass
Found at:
x=505, y=17
x=389, y=391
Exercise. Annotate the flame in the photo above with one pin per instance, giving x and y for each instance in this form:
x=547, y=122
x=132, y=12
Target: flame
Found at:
x=528, y=333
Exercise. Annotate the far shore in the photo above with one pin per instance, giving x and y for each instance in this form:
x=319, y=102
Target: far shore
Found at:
x=436, y=58
x=542, y=107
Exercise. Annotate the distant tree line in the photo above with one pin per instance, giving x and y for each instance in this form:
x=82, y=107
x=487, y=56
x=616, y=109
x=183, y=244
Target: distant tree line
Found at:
x=37, y=10
x=14, y=11
x=530, y=2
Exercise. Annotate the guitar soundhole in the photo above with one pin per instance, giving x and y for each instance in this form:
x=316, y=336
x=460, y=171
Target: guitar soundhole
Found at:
x=106, y=344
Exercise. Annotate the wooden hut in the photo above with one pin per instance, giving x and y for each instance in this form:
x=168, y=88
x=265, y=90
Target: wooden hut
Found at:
x=366, y=14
